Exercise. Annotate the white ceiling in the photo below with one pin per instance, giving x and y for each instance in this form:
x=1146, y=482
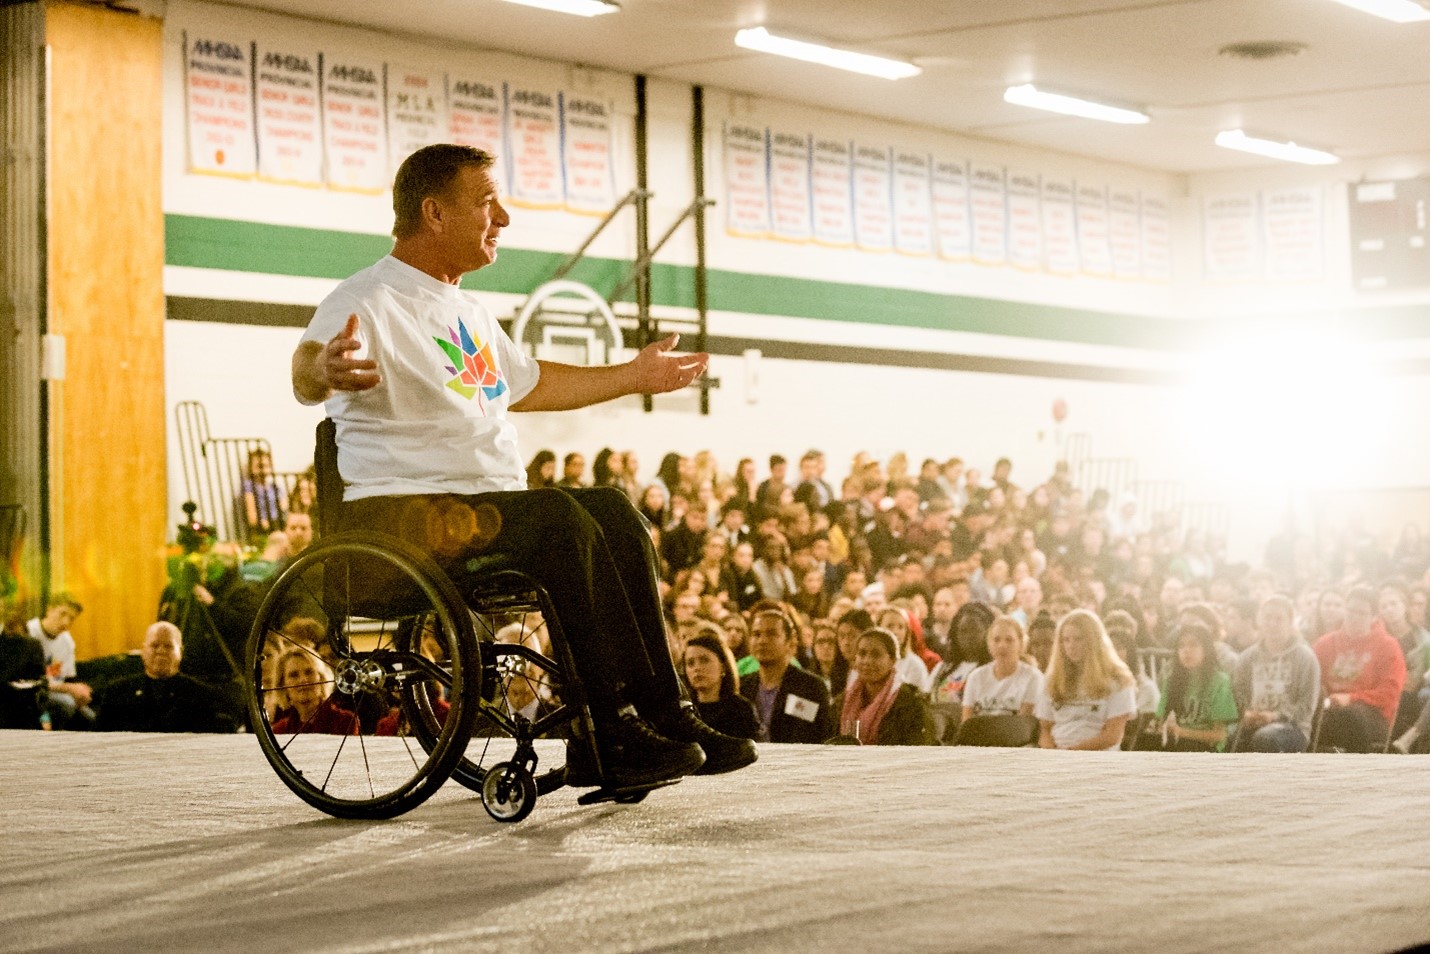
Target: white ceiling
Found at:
x=1359, y=88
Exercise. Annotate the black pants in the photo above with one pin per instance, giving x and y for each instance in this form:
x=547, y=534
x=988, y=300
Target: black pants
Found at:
x=588, y=548
x=1355, y=728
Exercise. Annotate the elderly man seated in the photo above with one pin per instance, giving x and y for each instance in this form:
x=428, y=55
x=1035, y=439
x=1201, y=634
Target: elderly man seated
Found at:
x=162, y=699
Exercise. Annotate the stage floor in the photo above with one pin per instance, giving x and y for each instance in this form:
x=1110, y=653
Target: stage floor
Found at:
x=191, y=843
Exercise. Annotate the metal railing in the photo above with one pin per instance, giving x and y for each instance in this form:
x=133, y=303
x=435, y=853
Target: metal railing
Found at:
x=232, y=489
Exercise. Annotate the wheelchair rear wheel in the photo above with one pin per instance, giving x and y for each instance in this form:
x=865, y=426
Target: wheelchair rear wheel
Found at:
x=347, y=634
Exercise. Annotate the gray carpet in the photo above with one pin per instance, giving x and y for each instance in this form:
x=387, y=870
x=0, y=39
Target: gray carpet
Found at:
x=185, y=843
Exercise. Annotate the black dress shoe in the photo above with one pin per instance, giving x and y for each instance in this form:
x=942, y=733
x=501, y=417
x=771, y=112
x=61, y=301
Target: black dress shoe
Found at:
x=633, y=755
x=723, y=753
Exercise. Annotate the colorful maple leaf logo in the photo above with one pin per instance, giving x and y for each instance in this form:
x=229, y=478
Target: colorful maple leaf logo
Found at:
x=473, y=367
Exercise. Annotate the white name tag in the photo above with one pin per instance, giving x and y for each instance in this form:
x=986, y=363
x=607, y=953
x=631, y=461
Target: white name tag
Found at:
x=801, y=708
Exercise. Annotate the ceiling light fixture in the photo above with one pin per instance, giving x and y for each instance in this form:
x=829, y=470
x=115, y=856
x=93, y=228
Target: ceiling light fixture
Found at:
x=1397, y=11
x=580, y=8
x=758, y=38
x=1270, y=148
x=1030, y=95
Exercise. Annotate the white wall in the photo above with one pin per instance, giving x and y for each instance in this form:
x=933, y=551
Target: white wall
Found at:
x=240, y=373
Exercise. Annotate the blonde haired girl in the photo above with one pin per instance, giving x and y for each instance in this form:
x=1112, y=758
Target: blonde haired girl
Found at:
x=1089, y=693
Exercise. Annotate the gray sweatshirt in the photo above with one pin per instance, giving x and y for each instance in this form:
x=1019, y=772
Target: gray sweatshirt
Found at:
x=1287, y=683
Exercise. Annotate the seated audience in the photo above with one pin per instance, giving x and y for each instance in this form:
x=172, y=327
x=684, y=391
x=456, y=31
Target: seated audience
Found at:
x=1122, y=630
x=307, y=707
x=793, y=705
x=162, y=699
x=827, y=662
x=1276, y=684
x=913, y=671
x=714, y=688
x=1009, y=684
x=1197, y=709
x=970, y=645
x=68, y=704
x=1089, y=693
x=24, y=688
x=1362, y=675
x=878, y=707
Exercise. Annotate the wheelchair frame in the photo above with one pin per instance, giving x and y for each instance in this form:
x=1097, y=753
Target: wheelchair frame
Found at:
x=432, y=658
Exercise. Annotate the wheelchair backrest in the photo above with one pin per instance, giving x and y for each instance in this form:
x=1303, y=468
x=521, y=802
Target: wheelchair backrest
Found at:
x=330, y=482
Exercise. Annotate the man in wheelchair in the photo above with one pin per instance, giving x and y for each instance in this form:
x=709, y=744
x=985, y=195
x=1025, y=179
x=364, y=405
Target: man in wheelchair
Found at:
x=419, y=380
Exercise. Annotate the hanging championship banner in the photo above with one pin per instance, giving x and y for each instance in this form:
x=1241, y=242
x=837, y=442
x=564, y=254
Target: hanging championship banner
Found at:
x=913, y=204
x=1059, y=226
x=1025, y=221
x=1293, y=234
x=747, y=182
x=354, y=129
x=290, y=122
x=416, y=110
x=790, y=190
x=988, y=200
x=1231, y=241
x=832, y=184
x=952, y=222
x=1124, y=232
x=1156, y=240
x=873, y=199
x=1092, y=247
x=475, y=114
x=534, y=138
x=586, y=155
x=218, y=81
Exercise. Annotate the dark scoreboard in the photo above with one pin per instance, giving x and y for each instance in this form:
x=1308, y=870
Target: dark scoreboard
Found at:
x=1390, y=234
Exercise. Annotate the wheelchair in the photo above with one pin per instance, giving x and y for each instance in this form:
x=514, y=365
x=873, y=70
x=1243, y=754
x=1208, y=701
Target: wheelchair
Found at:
x=373, y=681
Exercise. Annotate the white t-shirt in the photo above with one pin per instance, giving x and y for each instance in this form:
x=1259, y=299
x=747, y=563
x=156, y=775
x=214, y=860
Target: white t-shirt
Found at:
x=438, y=421
x=58, y=649
x=912, y=670
x=986, y=694
x=1080, y=719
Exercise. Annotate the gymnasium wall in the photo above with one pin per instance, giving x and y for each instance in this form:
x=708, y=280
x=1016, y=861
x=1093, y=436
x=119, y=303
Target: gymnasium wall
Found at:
x=861, y=351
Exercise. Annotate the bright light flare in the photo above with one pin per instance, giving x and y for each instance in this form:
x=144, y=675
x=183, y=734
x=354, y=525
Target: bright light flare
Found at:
x=1029, y=95
x=580, y=8
x=758, y=38
x=1288, y=412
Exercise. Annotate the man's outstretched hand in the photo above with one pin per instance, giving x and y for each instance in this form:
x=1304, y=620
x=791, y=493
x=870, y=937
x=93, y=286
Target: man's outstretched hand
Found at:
x=656, y=370
x=341, y=371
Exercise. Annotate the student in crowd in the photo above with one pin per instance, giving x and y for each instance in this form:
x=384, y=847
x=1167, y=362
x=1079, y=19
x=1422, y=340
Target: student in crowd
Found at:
x=1394, y=609
x=69, y=700
x=1362, y=675
x=262, y=502
x=879, y=708
x=911, y=668
x=1277, y=683
x=1122, y=630
x=772, y=568
x=793, y=705
x=1040, y=639
x=1197, y=708
x=307, y=705
x=1009, y=684
x=709, y=670
x=970, y=641
x=541, y=472
x=1089, y=693
x=828, y=662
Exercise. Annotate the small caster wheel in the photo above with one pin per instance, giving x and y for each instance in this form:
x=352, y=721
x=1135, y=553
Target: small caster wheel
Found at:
x=631, y=798
x=508, y=792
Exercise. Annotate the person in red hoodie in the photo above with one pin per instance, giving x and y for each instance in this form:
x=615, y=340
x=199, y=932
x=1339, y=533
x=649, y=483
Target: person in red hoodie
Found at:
x=1362, y=674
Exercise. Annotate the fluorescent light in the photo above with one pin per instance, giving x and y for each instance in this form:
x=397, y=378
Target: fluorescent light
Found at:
x=758, y=38
x=1287, y=151
x=1399, y=11
x=1030, y=95
x=581, y=8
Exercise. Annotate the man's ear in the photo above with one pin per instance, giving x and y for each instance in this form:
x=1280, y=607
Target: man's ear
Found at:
x=433, y=213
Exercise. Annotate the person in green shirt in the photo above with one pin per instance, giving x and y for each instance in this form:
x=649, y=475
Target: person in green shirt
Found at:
x=1197, y=705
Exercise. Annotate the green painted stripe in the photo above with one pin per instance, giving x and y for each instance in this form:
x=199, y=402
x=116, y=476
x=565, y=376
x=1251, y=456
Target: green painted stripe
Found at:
x=261, y=248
